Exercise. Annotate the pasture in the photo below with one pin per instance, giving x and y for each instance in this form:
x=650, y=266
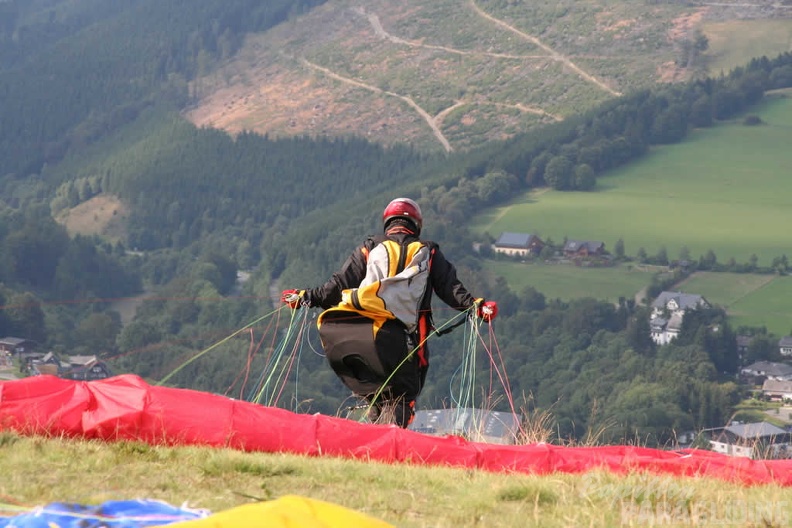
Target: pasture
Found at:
x=725, y=189
x=566, y=282
x=734, y=43
x=750, y=300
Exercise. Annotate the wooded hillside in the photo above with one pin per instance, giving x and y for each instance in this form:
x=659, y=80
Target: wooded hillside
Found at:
x=93, y=100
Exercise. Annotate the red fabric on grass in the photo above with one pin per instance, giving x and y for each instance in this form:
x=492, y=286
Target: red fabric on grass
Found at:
x=127, y=408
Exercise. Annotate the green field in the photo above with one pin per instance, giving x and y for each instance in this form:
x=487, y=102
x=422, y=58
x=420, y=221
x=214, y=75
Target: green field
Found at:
x=736, y=42
x=750, y=300
x=726, y=189
x=568, y=282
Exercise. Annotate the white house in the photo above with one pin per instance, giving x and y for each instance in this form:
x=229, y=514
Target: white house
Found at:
x=668, y=311
x=785, y=346
x=752, y=440
x=518, y=244
x=777, y=390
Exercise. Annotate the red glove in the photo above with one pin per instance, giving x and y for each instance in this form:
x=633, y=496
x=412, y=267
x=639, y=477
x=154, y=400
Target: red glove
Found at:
x=488, y=310
x=292, y=297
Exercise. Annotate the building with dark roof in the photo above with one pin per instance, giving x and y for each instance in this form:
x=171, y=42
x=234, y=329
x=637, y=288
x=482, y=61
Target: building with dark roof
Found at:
x=16, y=345
x=668, y=311
x=768, y=370
x=785, y=346
x=752, y=440
x=583, y=248
x=518, y=244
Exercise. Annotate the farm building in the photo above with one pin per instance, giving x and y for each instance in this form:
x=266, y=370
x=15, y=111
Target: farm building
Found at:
x=583, y=248
x=520, y=244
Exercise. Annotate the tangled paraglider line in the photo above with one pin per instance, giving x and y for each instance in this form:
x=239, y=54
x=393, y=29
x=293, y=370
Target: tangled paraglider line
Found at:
x=288, y=339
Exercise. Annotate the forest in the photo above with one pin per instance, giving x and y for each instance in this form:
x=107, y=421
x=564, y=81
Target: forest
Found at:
x=205, y=205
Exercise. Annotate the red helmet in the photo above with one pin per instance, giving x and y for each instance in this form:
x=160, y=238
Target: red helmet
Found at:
x=403, y=208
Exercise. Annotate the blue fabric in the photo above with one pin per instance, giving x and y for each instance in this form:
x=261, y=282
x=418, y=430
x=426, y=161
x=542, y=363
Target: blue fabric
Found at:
x=112, y=514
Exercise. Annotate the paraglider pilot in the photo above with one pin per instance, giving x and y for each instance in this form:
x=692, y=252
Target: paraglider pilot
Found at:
x=377, y=312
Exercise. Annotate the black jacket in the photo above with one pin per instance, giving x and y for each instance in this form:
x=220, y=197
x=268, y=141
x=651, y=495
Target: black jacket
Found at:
x=442, y=278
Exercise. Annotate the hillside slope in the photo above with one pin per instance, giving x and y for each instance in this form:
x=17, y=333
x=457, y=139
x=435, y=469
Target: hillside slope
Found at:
x=447, y=75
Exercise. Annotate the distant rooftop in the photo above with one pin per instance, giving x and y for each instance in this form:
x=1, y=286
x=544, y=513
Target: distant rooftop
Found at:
x=683, y=300
x=755, y=430
x=515, y=240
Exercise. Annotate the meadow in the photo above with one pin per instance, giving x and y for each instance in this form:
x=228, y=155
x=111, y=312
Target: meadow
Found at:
x=736, y=42
x=724, y=189
x=567, y=282
x=750, y=300
x=37, y=471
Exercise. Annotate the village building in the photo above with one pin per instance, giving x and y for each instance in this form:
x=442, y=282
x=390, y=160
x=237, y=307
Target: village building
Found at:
x=583, y=248
x=785, y=346
x=518, y=244
x=759, y=371
x=777, y=390
x=16, y=345
x=87, y=368
x=82, y=368
x=668, y=312
x=752, y=440
x=743, y=344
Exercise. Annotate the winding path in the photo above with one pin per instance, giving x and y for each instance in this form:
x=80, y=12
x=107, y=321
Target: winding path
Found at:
x=550, y=51
x=423, y=113
x=380, y=32
x=436, y=121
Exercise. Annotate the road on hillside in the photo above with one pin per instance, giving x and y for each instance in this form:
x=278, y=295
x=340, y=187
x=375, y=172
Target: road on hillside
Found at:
x=550, y=51
x=423, y=113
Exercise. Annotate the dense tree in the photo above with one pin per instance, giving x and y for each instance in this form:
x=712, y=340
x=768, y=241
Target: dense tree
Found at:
x=559, y=173
x=585, y=180
x=618, y=249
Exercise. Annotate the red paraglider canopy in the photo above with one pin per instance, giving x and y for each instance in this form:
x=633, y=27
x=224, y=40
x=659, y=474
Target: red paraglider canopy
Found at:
x=127, y=408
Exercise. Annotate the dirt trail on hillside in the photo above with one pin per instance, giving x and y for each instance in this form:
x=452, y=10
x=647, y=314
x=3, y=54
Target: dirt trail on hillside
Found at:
x=423, y=113
x=382, y=33
x=550, y=51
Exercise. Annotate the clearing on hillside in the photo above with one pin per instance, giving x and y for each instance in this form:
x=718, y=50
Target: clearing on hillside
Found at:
x=451, y=74
x=103, y=215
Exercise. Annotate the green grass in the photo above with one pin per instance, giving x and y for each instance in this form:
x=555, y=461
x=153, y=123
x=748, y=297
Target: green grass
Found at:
x=726, y=189
x=568, y=282
x=725, y=289
x=750, y=300
x=736, y=42
x=38, y=471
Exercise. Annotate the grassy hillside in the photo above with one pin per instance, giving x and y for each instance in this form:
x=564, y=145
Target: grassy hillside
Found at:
x=570, y=282
x=698, y=194
x=750, y=300
x=736, y=42
x=447, y=75
x=37, y=471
